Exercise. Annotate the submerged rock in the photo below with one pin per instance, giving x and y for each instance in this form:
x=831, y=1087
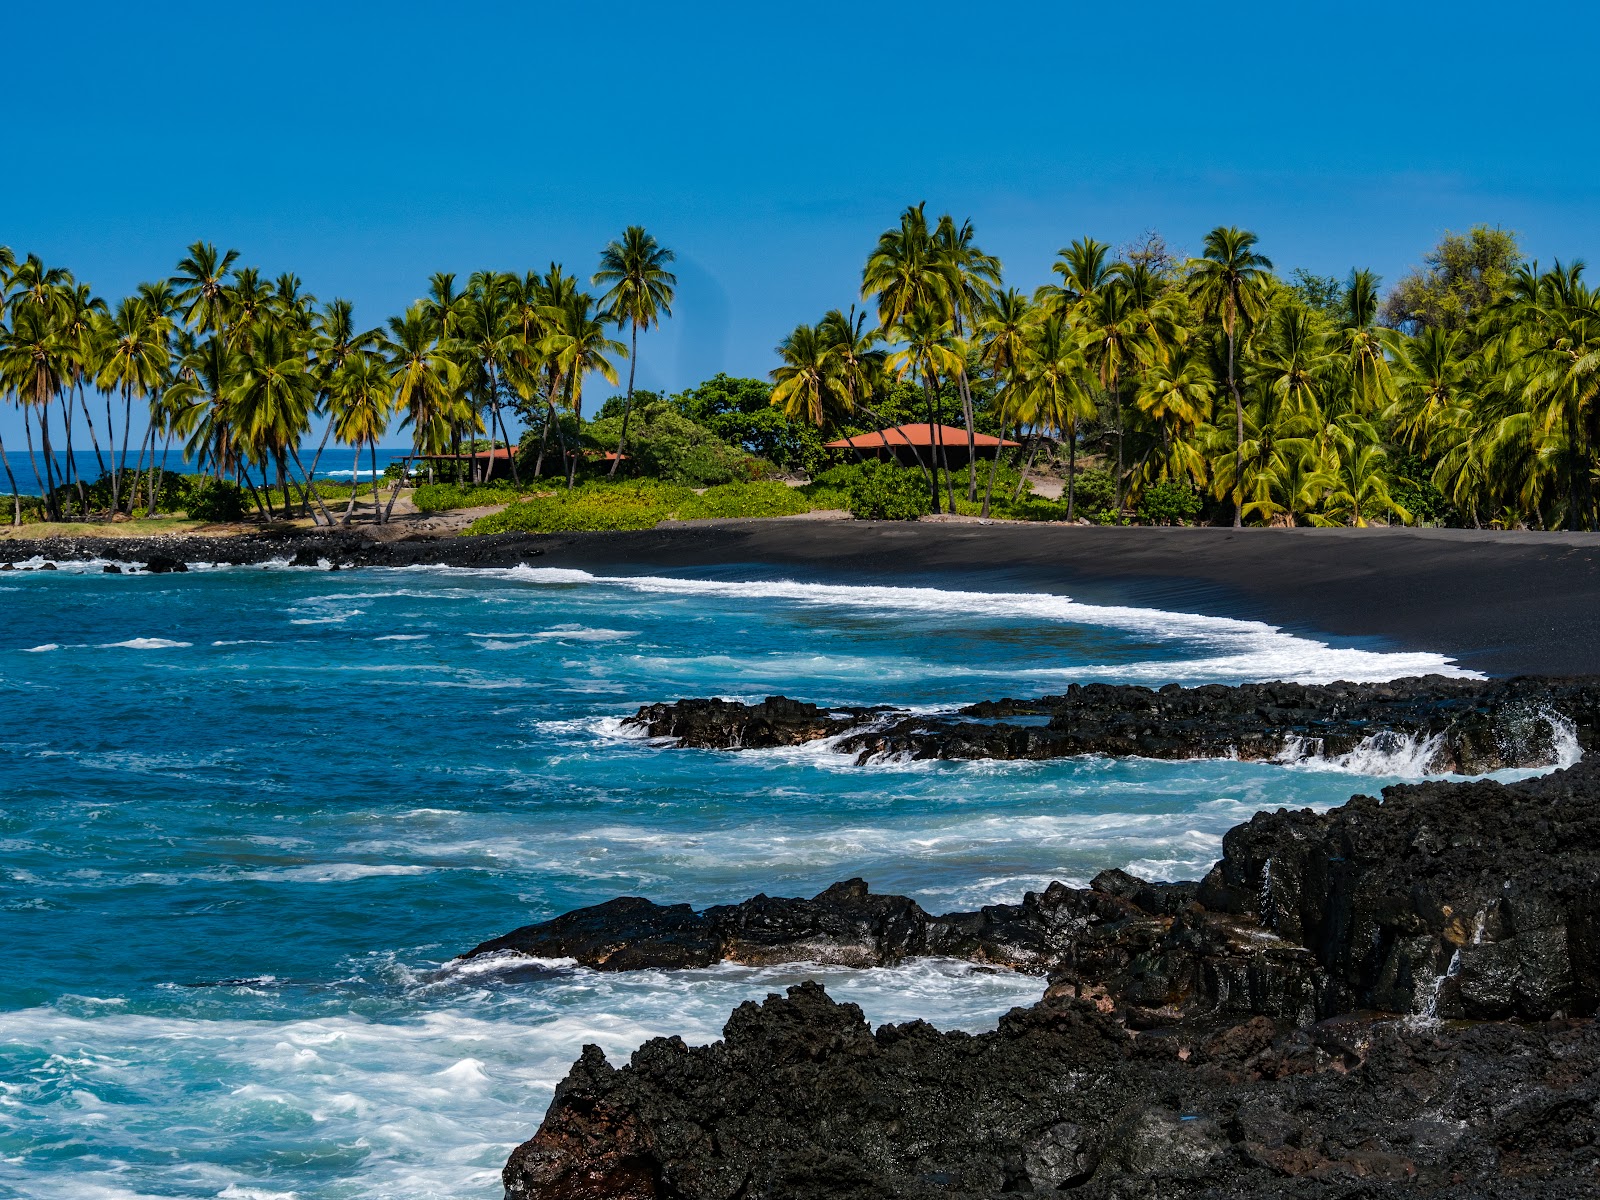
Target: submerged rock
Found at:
x=1438, y=725
x=1277, y=1029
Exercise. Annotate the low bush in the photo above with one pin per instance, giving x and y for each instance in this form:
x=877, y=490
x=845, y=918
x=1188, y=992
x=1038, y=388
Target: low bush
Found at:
x=1168, y=503
x=885, y=492
x=210, y=499
x=665, y=444
x=1096, y=494
x=762, y=499
x=436, y=497
x=638, y=504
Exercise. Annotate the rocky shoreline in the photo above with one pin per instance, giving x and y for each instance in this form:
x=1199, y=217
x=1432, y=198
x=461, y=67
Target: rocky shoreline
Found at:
x=1390, y=998
x=1467, y=727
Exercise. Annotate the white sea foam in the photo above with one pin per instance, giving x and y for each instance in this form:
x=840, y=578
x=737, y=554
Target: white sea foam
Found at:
x=426, y=1100
x=146, y=643
x=1225, y=647
x=332, y=872
x=402, y=637
x=48, y=646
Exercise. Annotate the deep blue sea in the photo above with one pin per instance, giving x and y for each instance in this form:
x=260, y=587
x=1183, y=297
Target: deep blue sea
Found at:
x=337, y=463
x=248, y=815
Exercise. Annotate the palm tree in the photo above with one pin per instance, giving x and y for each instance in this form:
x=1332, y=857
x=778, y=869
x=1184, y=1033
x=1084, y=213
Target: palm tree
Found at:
x=577, y=344
x=1113, y=332
x=929, y=355
x=201, y=280
x=641, y=293
x=426, y=384
x=809, y=384
x=361, y=401
x=135, y=357
x=1176, y=392
x=35, y=364
x=272, y=399
x=487, y=340
x=1229, y=285
x=1054, y=398
x=335, y=341
x=971, y=277
x=1002, y=345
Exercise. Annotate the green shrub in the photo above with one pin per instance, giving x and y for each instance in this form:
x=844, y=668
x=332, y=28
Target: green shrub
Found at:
x=436, y=497
x=208, y=499
x=1168, y=503
x=885, y=492
x=763, y=499
x=635, y=504
x=665, y=444
x=1096, y=494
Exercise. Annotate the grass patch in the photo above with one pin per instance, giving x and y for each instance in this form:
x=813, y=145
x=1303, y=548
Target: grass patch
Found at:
x=437, y=497
x=765, y=499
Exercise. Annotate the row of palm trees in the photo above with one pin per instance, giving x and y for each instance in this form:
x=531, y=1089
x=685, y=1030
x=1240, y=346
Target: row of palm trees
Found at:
x=1214, y=374
x=238, y=371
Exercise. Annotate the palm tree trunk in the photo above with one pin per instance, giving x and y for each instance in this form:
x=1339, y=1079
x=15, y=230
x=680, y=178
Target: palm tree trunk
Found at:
x=933, y=479
x=16, y=497
x=1033, y=453
x=116, y=473
x=972, y=435
x=317, y=457
x=311, y=487
x=52, y=503
x=138, y=468
x=544, y=440
x=69, y=474
x=283, y=482
x=1116, y=400
x=160, y=474
x=38, y=479
x=627, y=406
x=1072, y=469
x=94, y=439
x=511, y=451
x=372, y=446
x=994, y=465
x=355, y=487
x=1238, y=427
x=261, y=509
x=127, y=421
x=393, y=495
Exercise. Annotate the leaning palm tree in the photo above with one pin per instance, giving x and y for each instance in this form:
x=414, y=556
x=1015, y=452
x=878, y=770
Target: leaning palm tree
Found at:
x=1229, y=284
x=641, y=293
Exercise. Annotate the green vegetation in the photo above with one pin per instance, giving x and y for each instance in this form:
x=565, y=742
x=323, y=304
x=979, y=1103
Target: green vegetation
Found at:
x=437, y=497
x=1162, y=387
x=764, y=499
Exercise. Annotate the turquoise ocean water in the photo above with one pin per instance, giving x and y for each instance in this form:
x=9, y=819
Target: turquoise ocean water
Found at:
x=248, y=815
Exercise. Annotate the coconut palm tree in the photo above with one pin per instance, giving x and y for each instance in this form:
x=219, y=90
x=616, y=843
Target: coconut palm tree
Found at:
x=1002, y=345
x=487, y=339
x=35, y=364
x=1176, y=393
x=640, y=292
x=1054, y=397
x=426, y=384
x=1113, y=332
x=201, y=280
x=971, y=277
x=928, y=353
x=361, y=401
x=134, y=358
x=577, y=344
x=272, y=399
x=809, y=384
x=1229, y=285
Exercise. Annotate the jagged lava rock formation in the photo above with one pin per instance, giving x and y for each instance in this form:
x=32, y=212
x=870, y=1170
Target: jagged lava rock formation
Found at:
x=1469, y=726
x=1385, y=999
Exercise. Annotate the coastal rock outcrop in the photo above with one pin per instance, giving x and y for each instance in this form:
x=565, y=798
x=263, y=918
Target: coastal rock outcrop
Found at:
x=1466, y=727
x=1281, y=1028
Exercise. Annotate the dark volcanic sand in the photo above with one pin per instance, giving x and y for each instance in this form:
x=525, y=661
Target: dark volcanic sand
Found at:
x=1497, y=601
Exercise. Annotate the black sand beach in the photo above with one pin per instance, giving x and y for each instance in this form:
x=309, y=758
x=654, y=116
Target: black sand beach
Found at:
x=1501, y=602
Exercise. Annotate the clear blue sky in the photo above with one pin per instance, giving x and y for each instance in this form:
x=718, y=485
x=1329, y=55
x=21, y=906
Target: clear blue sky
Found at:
x=364, y=146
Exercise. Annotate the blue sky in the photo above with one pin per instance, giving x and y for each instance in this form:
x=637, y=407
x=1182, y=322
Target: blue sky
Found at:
x=364, y=146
